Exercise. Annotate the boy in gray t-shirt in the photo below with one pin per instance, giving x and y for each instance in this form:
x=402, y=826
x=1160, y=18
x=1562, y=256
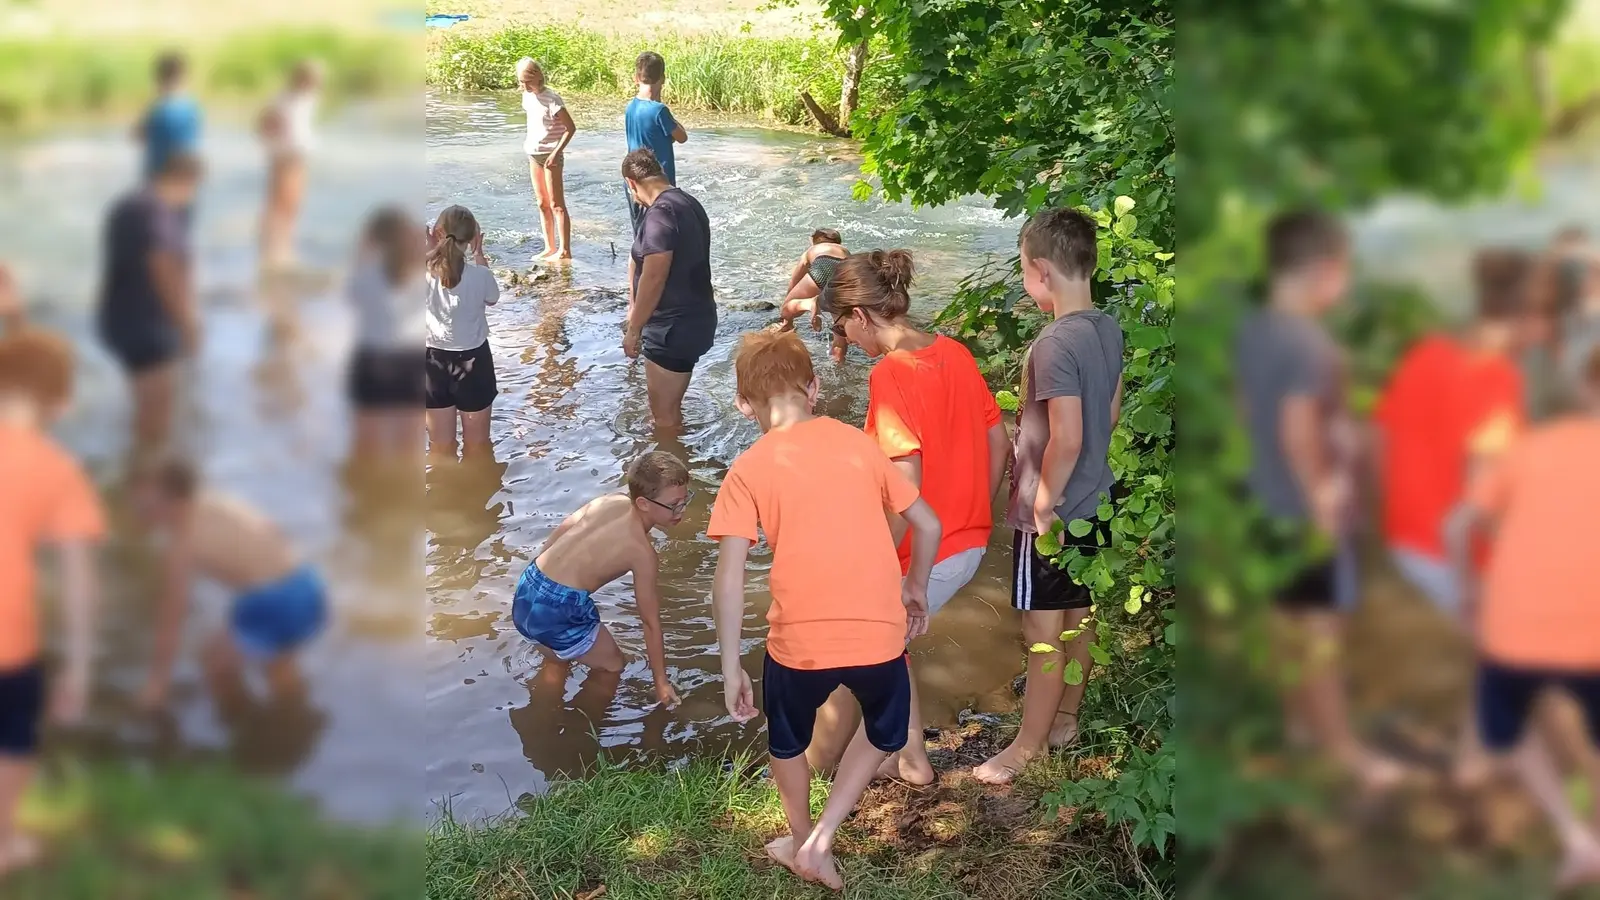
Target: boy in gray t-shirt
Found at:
x=1303, y=442
x=1071, y=399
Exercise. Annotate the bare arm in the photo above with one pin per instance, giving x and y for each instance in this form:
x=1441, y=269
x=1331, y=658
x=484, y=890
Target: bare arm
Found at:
x=799, y=271
x=1060, y=456
x=999, y=456
x=652, y=281
x=171, y=277
x=679, y=136
x=1304, y=450
x=178, y=570
x=1116, y=405
x=727, y=607
x=926, y=531
x=78, y=592
x=1460, y=529
x=565, y=118
x=11, y=316
x=646, y=571
x=911, y=468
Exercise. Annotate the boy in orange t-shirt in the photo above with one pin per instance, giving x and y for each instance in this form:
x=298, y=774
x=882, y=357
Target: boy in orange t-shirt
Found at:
x=841, y=614
x=1538, y=617
x=45, y=500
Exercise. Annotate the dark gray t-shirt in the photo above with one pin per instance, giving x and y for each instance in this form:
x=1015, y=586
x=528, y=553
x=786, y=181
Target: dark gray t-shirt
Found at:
x=137, y=226
x=1280, y=356
x=1077, y=355
x=676, y=222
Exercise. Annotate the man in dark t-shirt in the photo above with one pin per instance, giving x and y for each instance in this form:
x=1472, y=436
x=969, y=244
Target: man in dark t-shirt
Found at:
x=146, y=316
x=672, y=317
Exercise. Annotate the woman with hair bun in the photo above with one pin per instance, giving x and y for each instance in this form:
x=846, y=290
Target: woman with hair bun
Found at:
x=931, y=412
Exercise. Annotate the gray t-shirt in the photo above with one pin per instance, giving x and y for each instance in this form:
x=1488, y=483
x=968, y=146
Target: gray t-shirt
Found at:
x=1077, y=355
x=1279, y=356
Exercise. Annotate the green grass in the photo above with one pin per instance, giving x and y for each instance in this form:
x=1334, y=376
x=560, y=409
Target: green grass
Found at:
x=741, y=74
x=46, y=81
x=113, y=832
x=699, y=832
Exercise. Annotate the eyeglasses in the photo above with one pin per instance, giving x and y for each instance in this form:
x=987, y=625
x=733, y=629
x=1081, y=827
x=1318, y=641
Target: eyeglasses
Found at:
x=676, y=509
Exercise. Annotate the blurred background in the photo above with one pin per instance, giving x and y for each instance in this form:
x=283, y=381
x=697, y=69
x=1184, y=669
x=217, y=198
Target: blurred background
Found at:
x=232, y=788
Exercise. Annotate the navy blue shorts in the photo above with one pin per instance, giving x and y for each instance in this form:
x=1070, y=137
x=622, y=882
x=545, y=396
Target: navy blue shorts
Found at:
x=21, y=705
x=791, y=697
x=1506, y=695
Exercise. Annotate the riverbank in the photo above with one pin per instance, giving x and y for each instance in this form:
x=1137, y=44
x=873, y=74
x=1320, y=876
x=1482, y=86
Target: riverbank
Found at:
x=112, y=831
x=699, y=831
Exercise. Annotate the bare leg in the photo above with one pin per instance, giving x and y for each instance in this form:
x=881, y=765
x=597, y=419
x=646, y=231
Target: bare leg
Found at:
x=815, y=859
x=558, y=207
x=442, y=433
x=835, y=725
x=665, y=390
x=1580, y=845
x=1065, y=728
x=605, y=655
x=16, y=850
x=475, y=439
x=793, y=777
x=1320, y=698
x=541, y=195
x=370, y=435
x=911, y=764
x=1040, y=701
x=154, y=401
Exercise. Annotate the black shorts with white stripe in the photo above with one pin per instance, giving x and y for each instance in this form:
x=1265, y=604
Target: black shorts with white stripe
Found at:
x=1038, y=584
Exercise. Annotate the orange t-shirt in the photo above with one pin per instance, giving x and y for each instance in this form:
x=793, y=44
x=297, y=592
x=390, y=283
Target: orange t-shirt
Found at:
x=818, y=490
x=44, y=498
x=1443, y=405
x=934, y=403
x=1541, y=599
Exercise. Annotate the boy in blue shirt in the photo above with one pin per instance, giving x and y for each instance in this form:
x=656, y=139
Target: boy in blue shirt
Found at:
x=649, y=124
x=172, y=124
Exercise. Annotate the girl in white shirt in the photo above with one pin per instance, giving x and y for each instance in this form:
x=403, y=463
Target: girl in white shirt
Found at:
x=460, y=369
x=550, y=129
x=385, y=376
x=286, y=132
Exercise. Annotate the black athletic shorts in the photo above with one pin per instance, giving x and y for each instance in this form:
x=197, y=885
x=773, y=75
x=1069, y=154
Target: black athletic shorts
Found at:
x=463, y=379
x=386, y=379
x=21, y=706
x=139, y=350
x=791, y=698
x=1506, y=695
x=1038, y=584
x=1317, y=584
x=677, y=344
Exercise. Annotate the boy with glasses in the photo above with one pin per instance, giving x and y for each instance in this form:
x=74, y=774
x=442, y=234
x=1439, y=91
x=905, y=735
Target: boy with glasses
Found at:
x=606, y=538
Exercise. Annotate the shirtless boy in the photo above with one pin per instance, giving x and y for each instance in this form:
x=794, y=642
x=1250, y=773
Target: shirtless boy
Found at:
x=279, y=602
x=605, y=539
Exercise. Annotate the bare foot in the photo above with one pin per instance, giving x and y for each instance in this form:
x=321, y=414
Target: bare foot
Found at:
x=1379, y=774
x=1471, y=771
x=1580, y=868
x=565, y=254
x=1004, y=766
x=549, y=253
x=919, y=773
x=1065, y=731
x=814, y=865
x=781, y=851
x=22, y=853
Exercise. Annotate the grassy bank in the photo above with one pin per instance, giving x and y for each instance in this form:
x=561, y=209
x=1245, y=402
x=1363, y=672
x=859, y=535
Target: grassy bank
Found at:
x=80, y=77
x=719, y=72
x=699, y=833
x=113, y=832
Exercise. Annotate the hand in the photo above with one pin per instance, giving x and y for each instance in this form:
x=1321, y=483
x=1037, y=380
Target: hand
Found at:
x=630, y=344
x=816, y=321
x=666, y=696
x=1043, y=519
x=477, y=243
x=739, y=696
x=154, y=695
x=70, y=698
x=915, y=598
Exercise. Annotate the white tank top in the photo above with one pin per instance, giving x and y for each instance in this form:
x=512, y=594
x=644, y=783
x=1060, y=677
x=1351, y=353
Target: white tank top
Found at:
x=296, y=113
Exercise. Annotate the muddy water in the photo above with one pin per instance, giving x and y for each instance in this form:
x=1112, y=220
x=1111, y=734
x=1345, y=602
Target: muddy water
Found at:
x=571, y=415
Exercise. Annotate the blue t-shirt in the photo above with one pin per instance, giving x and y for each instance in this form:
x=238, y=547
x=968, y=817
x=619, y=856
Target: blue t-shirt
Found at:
x=171, y=125
x=649, y=125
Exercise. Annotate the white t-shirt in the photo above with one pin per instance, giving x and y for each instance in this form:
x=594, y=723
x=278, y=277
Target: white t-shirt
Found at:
x=545, y=128
x=296, y=113
x=388, y=316
x=456, y=319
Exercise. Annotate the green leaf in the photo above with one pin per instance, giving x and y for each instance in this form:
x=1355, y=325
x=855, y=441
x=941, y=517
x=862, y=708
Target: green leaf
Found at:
x=1099, y=655
x=1007, y=401
x=1122, y=205
x=1074, y=673
x=1048, y=545
x=1041, y=648
x=1135, y=600
x=1079, y=528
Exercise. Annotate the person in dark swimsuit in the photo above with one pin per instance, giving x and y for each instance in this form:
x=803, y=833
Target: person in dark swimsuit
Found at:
x=809, y=283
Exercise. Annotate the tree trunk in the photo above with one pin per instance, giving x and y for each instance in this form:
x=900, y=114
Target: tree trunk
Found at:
x=850, y=92
x=824, y=120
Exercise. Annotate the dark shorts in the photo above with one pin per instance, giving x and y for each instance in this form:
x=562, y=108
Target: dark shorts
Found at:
x=140, y=350
x=385, y=379
x=1038, y=584
x=678, y=344
x=1322, y=583
x=1506, y=695
x=463, y=379
x=791, y=697
x=21, y=707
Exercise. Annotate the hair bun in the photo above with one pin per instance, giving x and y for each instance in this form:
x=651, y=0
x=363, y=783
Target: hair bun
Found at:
x=896, y=268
